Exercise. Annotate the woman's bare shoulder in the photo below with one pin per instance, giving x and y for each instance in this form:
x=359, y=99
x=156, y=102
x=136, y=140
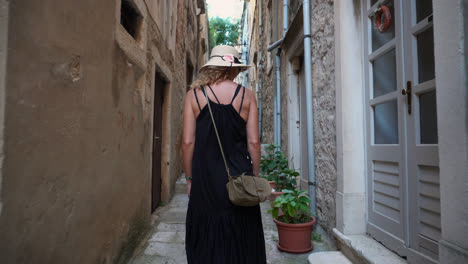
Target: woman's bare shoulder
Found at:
x=190, y=94
x=249, y=95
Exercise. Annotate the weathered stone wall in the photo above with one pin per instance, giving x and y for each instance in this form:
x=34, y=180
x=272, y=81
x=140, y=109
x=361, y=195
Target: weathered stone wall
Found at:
x=76, y=184
x=322, y=26
x=323, y=92
x=260, y=75
x=266, y=73
x=323, y=84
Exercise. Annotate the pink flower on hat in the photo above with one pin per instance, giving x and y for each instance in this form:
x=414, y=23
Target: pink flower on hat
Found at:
x=228, y=58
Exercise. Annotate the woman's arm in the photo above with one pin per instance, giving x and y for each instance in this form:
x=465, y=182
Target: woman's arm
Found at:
x=188, y=138
x=253, y=139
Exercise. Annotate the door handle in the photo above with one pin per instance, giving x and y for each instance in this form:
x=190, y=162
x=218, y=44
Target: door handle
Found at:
x=156, y=137
x=407, y=92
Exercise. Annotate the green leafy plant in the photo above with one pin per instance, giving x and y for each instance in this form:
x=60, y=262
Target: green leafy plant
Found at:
x=295, y=206
x=285, y=179
x=274, y=167
x=273, y=160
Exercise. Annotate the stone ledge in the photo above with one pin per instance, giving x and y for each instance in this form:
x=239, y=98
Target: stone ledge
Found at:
x=364, y=249
x=335, y=257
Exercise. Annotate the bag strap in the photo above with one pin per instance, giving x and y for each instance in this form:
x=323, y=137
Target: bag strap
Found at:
x=217, y=135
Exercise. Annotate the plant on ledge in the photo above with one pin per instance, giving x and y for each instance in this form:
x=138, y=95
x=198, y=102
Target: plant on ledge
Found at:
x=295, y=206
x=285, y=179
x=274, y=167
x=273, y=160
x=295, y=223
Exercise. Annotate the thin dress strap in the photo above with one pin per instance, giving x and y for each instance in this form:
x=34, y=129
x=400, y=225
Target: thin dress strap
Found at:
x=235, y=94
x=214, y=94
x=243, y=94
x=196, y=98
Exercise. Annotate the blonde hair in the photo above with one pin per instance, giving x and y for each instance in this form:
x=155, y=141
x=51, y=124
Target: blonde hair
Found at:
x=214, y=74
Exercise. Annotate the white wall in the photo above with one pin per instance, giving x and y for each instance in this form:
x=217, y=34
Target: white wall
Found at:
x=452, y=109
x=351, y=186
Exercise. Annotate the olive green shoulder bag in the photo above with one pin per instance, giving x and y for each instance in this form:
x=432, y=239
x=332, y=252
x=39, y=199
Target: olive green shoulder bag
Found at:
x=243, y=190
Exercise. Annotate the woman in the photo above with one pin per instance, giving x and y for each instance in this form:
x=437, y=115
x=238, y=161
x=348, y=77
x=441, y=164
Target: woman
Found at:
x=216, y=230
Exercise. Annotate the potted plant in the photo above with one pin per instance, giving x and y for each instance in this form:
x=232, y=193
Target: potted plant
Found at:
x=274, y=167
x=273, y=160
x=295, y=224
x=284, y=179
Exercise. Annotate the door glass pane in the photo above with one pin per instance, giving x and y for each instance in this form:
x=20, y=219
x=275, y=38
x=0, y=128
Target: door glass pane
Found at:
x=428, y=118
x=384, y=74
x=423, y=9
x=378, y=38
x=386, y=123
x=426, y=69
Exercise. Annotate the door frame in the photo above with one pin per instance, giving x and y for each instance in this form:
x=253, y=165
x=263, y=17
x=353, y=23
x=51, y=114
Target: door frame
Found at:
x=293, y=48
x=165, y=73
x=395, y=242
x=407, y=131
x=418, y=154
x=452, y=110
x=162, y=90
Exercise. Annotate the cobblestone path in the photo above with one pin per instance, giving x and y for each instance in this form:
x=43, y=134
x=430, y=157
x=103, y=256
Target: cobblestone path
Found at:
x=166, y=242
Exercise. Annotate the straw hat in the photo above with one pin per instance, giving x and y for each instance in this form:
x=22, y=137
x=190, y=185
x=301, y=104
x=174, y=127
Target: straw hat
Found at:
x=224, y=56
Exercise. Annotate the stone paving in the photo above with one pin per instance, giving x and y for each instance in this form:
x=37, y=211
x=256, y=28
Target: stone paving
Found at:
x=166, y=242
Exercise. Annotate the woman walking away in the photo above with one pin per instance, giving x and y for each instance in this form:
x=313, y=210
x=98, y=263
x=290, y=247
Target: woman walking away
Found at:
x=216, y=230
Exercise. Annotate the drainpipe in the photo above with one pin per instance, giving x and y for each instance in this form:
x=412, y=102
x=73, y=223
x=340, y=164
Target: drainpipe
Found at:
x=278, y=97
x=310, y=110
x=260, y=68
x=277, y=103
x=245, y=39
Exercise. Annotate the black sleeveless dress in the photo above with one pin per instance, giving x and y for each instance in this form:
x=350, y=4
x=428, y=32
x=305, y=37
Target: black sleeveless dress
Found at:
x=216, y=230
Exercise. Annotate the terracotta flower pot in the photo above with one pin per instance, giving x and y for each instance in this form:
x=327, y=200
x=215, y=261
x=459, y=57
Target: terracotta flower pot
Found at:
x=273, y=196
x=295, y=238
x=274, y=193
x=272, y=184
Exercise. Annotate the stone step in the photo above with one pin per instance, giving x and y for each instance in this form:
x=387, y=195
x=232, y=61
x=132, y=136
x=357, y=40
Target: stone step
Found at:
x=335, y=257
x=364, y=249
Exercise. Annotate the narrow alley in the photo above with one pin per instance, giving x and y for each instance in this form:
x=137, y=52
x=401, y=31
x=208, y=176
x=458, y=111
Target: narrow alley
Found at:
x=354, y=112
x=165, y=245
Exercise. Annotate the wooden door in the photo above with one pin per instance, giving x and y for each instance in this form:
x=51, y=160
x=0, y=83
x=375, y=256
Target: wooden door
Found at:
x=421, y=113
x=386, y=142
x=402, y=151
x=294, y=134
x=159, y=85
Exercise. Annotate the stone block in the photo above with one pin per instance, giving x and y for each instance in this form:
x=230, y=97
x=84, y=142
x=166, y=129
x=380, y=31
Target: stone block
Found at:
x=334, y=257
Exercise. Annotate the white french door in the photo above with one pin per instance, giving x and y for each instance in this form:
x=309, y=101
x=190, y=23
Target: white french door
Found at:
x=402, y=151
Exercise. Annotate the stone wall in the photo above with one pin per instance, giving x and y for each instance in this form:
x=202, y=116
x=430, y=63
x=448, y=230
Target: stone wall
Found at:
x=323, y=84
x=76, y=184
x=260, y=75
x=266, y=71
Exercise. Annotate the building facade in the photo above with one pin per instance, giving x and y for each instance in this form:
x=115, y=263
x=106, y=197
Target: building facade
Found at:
x=382, y=108
x=91, y=122
x=281, y=65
